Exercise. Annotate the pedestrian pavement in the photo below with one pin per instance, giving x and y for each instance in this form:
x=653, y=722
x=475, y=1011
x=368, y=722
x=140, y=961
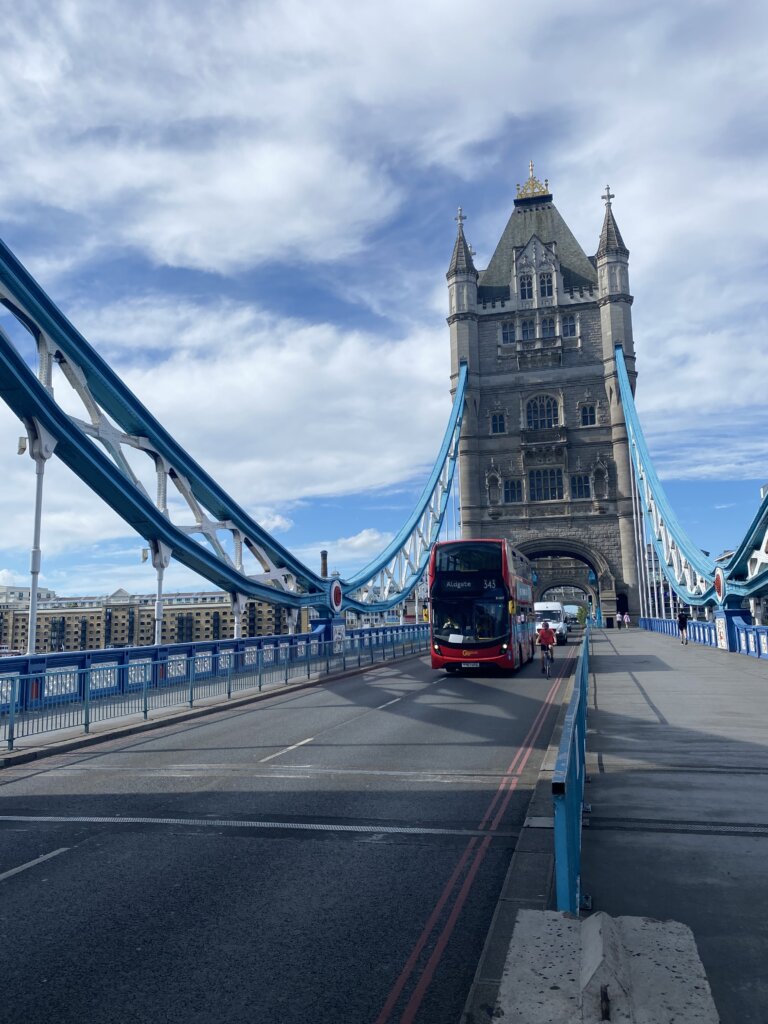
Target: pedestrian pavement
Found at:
x=677, y=761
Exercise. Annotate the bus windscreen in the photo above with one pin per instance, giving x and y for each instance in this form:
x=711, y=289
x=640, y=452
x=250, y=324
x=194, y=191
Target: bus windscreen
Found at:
x=468, y=558
x=461, y=621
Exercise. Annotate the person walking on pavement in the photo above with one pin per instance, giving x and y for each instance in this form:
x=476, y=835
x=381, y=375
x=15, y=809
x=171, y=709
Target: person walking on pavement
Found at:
x=626, y=620
x=682, y=625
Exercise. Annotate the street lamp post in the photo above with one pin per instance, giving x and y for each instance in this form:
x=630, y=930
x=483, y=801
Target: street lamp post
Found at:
x=41, y=448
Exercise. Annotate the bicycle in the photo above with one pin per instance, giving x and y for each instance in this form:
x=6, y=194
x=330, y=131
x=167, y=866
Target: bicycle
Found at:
x=548, y=659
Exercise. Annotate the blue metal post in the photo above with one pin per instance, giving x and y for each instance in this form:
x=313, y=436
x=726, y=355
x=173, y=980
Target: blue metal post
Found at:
x=87, y=699
x=15, y=686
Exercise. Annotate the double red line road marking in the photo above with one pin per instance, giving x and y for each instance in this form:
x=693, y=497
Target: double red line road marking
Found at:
x=473, y=854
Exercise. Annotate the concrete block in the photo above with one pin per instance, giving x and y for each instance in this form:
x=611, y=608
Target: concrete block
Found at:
x=540, y=983
x=667, y=978
x=561, y=970
x=604, y=971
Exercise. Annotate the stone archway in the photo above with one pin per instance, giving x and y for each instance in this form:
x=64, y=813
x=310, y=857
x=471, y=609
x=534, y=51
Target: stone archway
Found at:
x=553, y=555
x=589, y=592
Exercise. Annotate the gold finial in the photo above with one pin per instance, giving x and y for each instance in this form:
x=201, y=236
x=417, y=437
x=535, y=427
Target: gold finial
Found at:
x=608, y=195
x=533, y=187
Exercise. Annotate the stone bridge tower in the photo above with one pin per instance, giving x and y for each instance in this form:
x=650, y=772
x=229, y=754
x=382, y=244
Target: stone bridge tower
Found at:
x=543, y=456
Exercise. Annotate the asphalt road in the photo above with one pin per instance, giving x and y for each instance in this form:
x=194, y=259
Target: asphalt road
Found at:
x=328, y=855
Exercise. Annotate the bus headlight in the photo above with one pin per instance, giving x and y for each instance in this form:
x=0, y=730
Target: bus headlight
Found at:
x=437, y=649
x=504, y=647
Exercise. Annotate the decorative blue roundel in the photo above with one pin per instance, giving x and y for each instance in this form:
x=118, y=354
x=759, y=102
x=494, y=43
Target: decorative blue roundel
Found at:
x=335, y=596
x=719, y=584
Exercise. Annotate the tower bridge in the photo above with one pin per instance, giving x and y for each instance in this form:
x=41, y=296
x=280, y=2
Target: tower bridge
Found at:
x=551, y=454
x=543, y=429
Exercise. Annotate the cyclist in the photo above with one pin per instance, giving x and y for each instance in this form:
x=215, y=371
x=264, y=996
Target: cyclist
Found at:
x=546, y=639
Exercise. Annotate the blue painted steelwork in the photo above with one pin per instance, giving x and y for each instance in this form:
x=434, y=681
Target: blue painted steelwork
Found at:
x=63, y=691
x=690, y=572
x=751, y=639
x=568, y=789
x=386, y=582
x=703, y=633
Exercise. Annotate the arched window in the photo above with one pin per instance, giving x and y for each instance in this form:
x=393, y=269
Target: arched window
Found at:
x=548, y=327
x=542, y=412
x=507, y=333
x=526, y=286
x=545, y=285
x=588, y=417
x=529, y=330
x=580, y=486
x=513, y=491
x=545, y=484
x=497, y=423
x=569, y=326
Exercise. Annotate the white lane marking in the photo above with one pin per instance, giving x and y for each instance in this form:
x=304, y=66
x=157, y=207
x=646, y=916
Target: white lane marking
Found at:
x=286, y=750
x=32, y=863
x=307, y=826
x=388, y=703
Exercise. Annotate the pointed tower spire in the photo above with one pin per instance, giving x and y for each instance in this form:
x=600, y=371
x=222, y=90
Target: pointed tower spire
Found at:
x=610, y=237
x=461, y=260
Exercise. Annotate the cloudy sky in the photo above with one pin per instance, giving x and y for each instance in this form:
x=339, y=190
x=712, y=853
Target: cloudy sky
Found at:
x=248, y=209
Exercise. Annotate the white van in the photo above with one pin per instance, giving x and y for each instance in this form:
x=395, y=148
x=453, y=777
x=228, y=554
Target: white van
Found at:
x=553, y=613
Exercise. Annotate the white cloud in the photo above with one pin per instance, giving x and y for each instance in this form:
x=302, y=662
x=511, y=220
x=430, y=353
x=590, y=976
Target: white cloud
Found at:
x=301, y=410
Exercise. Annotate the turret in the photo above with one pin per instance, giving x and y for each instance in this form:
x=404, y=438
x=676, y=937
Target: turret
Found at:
x=614, y=299
x=463, y=323
x=615, y=305
x=462, y=302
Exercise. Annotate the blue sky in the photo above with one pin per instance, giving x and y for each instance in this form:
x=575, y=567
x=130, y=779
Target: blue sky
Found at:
x=248, y=209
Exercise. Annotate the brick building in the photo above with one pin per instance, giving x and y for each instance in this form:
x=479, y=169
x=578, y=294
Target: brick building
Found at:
x=127, y=620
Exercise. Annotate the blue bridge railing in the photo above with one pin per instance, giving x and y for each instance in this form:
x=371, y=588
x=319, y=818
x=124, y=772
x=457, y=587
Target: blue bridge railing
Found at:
x=751, y=639
x=568, y=789
x=64, y=691
x=699, y=632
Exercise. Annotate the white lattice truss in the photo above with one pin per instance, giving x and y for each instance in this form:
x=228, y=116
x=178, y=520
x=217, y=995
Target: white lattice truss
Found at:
x=686, y=579
x=757, y=562
x=100, y=428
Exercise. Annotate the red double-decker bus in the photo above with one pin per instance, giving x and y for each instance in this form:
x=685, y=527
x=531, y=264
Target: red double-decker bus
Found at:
x=481, y=605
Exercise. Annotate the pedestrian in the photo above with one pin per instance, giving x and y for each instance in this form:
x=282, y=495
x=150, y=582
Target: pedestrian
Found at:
x=682, y=625
x=626, y=620
x=619, y=621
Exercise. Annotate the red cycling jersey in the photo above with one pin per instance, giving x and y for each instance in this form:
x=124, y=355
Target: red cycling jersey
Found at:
x=547, y=637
